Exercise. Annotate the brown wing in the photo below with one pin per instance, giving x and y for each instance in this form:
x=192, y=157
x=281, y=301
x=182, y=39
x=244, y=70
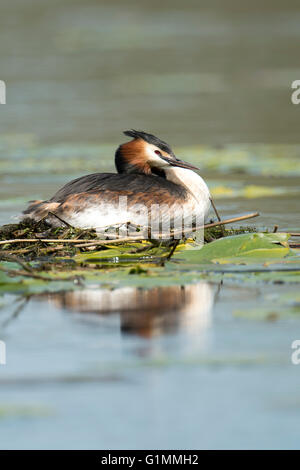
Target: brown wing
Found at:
x=116, y=183
x=90, y=190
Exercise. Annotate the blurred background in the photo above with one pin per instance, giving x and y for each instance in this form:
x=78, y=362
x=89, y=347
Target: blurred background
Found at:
x=174, y=367
x=207, y=71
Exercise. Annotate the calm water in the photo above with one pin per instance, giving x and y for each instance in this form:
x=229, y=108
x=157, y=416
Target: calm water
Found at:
x=175, y=367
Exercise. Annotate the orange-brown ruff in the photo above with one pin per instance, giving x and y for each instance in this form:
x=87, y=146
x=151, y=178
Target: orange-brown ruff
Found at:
x=151, y=186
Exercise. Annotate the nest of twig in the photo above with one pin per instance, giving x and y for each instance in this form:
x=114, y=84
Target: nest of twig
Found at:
x=31, y=240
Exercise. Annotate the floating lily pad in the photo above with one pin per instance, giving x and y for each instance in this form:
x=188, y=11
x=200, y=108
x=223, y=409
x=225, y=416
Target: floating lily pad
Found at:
x=241, y=249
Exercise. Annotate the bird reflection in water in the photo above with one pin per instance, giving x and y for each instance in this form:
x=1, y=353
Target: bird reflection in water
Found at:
x=146, y=312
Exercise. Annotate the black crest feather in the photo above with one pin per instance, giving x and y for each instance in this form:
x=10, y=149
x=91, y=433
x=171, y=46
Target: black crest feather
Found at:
x=151, y=139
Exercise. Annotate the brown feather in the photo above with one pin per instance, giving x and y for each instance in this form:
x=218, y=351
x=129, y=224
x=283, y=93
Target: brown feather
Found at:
x=134, y=154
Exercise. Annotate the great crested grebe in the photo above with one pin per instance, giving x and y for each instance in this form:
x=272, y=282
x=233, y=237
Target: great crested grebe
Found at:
x=152, y=186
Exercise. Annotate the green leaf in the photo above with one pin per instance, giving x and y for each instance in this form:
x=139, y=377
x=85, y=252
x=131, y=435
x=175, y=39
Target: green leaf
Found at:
x=245, y=248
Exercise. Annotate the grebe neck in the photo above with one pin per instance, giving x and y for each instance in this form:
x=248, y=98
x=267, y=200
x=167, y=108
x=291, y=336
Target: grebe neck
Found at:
x=190, y=180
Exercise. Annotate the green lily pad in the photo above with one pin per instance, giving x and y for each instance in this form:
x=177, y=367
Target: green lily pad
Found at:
x=240, y=249
x=133, y=252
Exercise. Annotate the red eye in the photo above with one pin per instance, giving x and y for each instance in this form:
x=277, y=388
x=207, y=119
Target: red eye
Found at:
x=157, y=152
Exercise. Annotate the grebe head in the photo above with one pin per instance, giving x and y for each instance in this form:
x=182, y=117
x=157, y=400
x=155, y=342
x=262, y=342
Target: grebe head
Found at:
x=147, y=154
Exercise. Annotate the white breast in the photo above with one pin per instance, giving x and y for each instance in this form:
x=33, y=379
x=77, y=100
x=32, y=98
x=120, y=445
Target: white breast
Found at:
x=199, y=195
